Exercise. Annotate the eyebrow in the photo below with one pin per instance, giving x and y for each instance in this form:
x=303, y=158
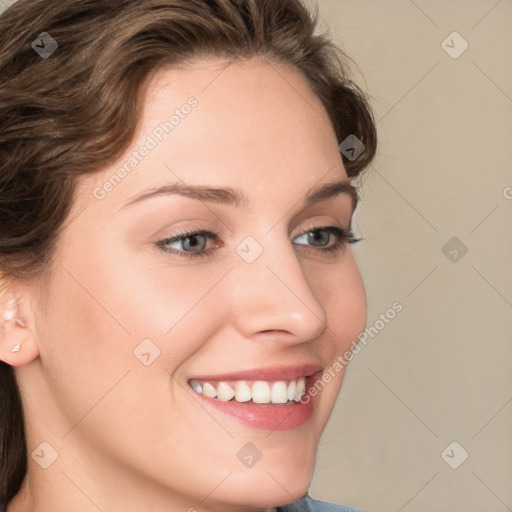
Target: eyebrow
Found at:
x=231, y=197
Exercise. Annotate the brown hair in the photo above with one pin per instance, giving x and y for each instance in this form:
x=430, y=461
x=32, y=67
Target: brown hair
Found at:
x=77, y=111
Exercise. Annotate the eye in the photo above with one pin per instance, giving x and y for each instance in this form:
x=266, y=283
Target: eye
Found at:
x=192, y=243
x=189, y=244
x=202, y=243
x=318, y=238
x=326, y=239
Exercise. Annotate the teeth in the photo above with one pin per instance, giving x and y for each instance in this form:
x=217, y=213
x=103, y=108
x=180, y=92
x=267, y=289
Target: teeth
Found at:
x=224, y=392
x=260, y=392
x=301, y=389
x=291, y=390
x=243, y=392
x=196, y=386
x=209, y=390
x=279, y=394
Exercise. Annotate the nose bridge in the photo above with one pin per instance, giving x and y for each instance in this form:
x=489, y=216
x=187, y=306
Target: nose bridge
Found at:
x=272, y=293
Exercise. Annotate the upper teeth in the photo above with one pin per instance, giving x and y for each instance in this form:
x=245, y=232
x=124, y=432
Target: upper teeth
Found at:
x=260, y=391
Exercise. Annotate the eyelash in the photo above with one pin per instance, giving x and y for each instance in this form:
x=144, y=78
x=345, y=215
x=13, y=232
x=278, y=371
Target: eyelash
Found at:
x=343, y=237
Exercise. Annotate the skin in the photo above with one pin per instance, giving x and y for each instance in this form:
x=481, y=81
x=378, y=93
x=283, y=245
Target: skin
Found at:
x=133, y=437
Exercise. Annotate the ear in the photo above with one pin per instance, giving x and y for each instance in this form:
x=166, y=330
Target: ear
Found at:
x=18, y=345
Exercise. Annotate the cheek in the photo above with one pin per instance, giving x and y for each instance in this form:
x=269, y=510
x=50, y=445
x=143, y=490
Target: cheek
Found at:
x=105, y=304
x=97, y=316
x=173, y=307
x=340, y=290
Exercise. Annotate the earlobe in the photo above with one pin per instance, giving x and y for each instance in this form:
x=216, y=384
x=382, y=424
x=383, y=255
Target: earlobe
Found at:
x=17, y=345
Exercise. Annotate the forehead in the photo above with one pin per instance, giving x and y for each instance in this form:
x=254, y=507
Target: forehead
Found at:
x=250, y=124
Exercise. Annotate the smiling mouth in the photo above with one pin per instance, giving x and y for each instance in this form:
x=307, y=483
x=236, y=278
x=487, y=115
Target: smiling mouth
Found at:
x=280, y=392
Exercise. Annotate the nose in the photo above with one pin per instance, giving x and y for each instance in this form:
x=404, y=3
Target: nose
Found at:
x=272, y=296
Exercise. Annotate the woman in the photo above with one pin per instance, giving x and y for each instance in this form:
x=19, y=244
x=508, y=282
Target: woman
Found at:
x=177, y=282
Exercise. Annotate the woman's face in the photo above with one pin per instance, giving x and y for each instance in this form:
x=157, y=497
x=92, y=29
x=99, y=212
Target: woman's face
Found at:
x=236, y=273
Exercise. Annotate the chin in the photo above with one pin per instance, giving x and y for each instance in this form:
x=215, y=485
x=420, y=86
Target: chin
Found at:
x=268, y=490
x=272, y=482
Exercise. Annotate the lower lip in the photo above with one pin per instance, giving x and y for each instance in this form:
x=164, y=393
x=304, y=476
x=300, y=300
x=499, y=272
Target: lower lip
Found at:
x=273, y=417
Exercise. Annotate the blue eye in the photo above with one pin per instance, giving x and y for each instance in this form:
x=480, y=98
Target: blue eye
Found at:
x=195, y=244
x=317, y=238
x=189, y=243
x=327, y=239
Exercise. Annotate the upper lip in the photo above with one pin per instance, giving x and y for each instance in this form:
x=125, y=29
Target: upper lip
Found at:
x=269, y=373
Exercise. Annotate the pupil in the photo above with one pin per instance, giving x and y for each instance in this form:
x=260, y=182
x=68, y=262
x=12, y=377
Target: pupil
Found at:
x=320, y=237
x=192, y=242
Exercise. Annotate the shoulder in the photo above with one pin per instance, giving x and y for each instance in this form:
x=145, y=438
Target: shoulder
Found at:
x=308, y=504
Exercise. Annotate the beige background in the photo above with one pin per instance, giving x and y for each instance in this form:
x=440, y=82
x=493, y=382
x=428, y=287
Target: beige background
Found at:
x=441, y=371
